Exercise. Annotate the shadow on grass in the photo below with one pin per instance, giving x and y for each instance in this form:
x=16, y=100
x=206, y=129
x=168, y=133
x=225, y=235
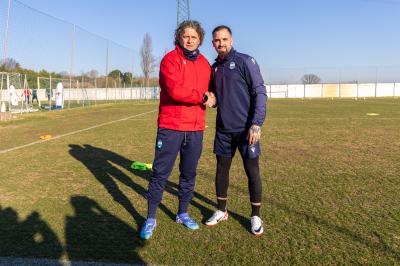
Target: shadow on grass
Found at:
x=29, y=238
x=100, y=163
x=380, y=246
x=94, y=234
x=206, y=212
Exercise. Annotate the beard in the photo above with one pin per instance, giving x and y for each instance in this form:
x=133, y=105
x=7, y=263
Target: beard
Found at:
x=223, y=53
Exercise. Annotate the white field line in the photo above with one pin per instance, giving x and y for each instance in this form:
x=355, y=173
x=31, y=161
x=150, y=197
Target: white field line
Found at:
x=334, y=118
x=54, y=262
x=73, y=132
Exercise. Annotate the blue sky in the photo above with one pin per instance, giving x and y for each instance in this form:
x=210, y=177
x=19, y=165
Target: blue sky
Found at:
x=284, y=36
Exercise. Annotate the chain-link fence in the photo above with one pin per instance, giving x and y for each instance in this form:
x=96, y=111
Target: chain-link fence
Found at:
x=45, y=51
x=332, y=75
x=333, y=82
x=56, y=93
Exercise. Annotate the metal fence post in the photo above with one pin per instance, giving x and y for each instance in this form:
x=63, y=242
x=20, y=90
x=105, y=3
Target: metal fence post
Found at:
x=376, y=80
x=71, y=70
x=107, y=72
x=357, y=89
x=95, y=91
x=51, y=93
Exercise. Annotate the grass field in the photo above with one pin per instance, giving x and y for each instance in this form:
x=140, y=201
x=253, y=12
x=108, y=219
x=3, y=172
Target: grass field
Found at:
x=331, y=182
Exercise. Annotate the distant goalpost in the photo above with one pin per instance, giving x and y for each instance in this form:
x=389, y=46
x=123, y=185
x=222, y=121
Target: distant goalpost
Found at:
x=73, y=92
x=12, y=96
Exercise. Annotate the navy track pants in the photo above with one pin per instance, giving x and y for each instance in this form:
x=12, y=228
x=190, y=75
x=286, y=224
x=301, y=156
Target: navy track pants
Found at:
x=168, y=143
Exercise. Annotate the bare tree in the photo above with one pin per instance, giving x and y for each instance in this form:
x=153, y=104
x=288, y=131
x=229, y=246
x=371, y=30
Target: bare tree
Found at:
x=9, y=63
x=310, y=79
x=148, y=60
x=64, y=74
x=93, y=74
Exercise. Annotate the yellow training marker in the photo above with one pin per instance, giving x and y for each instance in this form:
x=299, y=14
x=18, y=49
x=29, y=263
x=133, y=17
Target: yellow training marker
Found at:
x=372, y=114
x=45, y=137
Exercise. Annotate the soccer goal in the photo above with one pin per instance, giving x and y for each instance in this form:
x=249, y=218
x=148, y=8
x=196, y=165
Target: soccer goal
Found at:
x=20, y=94
x=3, y=92
x=60, y=93
x=14, y=83
x=277, y=91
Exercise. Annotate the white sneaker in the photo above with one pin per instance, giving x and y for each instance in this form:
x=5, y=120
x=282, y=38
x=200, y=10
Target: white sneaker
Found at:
x=256, y=226
x=217, y=217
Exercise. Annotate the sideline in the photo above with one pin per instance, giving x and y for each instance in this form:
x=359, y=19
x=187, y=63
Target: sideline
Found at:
x=55, y=262
x=74, y=132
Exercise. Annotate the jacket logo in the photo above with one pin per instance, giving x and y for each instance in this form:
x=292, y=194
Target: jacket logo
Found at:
x=253, y=60
x=184, y=62
x=216, y=69
x=232, y=65
x=159, y=144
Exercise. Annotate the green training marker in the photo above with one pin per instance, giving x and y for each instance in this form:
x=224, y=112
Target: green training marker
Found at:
x=141, y=166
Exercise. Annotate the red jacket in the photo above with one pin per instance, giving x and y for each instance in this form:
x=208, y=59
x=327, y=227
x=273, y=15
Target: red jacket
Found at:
x=27, y=92
x=183, y=84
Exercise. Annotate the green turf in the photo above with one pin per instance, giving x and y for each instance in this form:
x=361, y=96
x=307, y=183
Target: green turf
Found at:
x=330, y=175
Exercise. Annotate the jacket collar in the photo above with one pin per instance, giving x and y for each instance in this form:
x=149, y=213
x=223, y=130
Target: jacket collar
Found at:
x=179, y=49
x=186, y=54
x=227, y=58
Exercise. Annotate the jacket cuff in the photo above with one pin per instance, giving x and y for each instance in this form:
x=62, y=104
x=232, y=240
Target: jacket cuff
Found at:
x=257, y=123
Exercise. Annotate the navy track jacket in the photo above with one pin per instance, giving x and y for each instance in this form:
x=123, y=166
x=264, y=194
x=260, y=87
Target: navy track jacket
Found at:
x=240, y=91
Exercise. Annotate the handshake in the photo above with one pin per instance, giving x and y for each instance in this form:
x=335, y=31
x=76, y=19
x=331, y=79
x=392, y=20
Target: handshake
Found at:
x=209, y=99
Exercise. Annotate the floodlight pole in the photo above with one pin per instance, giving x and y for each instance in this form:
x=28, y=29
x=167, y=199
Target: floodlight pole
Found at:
x=5, y=42
x=183, y=11
x=178, y=12
x=188, y=8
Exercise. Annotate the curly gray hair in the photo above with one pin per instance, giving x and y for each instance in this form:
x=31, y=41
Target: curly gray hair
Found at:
x=189, y=24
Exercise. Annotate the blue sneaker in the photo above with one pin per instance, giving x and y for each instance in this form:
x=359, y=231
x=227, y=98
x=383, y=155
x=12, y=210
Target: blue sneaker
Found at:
x=184, y=219
x=147, y=228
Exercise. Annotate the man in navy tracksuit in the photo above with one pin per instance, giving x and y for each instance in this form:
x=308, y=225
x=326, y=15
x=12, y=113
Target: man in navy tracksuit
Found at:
x=241, y=101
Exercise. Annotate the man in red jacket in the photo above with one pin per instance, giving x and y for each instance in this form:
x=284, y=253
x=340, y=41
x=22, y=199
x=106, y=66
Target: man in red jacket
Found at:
x=27, y=94
x=184, y=81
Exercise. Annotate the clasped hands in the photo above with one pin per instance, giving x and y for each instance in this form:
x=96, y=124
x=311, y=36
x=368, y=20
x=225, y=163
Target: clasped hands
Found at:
x=211, y=99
